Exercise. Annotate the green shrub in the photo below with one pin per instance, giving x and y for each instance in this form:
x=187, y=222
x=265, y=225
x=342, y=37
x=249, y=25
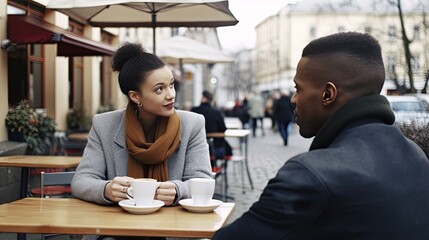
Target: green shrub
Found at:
x=419, y=133
x=36, y=128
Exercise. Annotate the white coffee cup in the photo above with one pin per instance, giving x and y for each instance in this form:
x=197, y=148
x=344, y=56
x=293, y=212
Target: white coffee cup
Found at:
x=202, y=190
x=142, y=190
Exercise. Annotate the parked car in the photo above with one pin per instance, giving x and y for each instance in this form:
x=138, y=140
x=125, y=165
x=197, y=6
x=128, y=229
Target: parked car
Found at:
x=409, y=109
x=420, y=95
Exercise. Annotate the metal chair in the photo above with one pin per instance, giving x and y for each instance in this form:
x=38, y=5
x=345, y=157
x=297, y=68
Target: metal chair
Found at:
x=55, y=179
x=219, y=167
x=61, y=179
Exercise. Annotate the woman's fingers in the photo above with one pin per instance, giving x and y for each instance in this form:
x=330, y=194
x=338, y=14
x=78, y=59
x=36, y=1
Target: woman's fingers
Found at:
x=116, y=190
x=166, y=192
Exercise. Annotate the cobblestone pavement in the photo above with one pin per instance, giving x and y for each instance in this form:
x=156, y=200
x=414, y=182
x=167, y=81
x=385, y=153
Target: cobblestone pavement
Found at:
x=266, y=155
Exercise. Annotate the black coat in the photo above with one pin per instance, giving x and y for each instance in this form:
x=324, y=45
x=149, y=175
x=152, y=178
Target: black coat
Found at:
x=214, y=118
x=214, y=123
x=283, y=109
x=361, y=179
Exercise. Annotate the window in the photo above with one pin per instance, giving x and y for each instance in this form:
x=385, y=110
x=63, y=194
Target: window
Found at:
x=368, y=30
x=416, y=32
x=313, y=32
x=75, y=72
x=391, y=63
x=36, y=76
x=35, y=82
x=415, y=63
x=391, y=33
x=75, y=82
x=28, y=7
x=106, y=73
x=75, y=27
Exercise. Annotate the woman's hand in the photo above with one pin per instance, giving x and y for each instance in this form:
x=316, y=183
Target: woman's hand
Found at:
x=166, y=192
x=116, y=190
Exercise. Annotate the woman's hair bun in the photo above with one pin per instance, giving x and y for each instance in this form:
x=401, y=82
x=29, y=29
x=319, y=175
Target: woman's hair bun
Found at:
x=125, y=53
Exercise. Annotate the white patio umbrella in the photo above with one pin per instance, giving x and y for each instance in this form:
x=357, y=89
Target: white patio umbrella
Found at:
x=152, y=13
x=184, y=50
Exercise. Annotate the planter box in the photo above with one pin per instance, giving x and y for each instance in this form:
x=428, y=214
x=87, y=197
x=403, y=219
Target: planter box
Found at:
x=10, y=177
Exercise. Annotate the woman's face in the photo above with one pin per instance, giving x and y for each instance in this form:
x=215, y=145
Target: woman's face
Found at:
x=157, y=94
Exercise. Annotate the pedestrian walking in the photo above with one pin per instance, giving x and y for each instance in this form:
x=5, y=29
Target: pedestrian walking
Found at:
x=284, y=113
x=243, y=114
x=270, y=111
x=256, y=112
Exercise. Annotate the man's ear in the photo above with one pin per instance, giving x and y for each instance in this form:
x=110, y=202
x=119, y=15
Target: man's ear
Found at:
x=329, y=94
x=134, y=96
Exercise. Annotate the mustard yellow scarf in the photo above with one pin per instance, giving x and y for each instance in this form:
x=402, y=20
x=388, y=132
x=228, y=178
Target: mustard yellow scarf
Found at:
x=147, y=160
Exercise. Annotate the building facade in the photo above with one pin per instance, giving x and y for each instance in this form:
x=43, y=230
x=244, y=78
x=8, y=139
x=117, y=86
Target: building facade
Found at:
x=55, y=62
x=297, y=24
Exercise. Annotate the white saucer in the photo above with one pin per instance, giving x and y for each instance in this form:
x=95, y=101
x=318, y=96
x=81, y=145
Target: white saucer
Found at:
x=130, y=206
x=188, y=204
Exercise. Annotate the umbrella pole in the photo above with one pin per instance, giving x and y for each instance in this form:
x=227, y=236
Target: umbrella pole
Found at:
x=183, y=83
x=154, y=30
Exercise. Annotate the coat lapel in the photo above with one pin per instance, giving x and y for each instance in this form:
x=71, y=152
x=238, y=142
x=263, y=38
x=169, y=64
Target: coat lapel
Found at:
x=121, y=152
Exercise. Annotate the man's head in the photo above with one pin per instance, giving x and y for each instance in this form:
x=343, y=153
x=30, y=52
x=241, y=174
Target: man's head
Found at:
x=207, y=97
x=332, y=71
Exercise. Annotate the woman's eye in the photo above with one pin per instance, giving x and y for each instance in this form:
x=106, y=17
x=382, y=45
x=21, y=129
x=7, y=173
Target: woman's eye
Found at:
x=158, y=90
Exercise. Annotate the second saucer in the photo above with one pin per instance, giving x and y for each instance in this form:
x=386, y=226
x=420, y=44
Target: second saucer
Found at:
x=189, y=205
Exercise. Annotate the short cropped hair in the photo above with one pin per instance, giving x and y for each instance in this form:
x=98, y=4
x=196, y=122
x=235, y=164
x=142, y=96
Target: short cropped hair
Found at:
x=208, y=95
x=362, y=51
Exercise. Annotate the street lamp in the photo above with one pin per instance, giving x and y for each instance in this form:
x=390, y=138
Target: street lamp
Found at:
x=213, y=80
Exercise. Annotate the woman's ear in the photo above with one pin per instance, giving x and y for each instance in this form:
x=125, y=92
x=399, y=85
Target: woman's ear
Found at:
x=330, y=94
x=135, y=97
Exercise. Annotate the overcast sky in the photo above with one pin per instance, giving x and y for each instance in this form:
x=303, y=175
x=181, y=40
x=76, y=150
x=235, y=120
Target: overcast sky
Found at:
x=249, y=13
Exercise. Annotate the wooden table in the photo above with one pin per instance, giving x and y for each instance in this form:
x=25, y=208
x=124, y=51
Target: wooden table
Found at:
x=78, y=137
x=74, y=216
x=243, y=135
x=29, y=161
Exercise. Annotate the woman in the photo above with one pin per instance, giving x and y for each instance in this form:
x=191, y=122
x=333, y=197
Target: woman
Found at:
x=148, y=139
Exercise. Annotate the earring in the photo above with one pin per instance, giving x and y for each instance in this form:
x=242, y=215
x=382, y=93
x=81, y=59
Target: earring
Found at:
x=137, y=111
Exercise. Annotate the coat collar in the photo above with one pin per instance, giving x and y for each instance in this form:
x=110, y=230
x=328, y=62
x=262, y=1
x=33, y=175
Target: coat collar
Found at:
x=374, y=107
x=120, y=133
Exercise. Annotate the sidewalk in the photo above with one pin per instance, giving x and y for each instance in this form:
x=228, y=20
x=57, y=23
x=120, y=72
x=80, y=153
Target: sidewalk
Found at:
x=267, y=155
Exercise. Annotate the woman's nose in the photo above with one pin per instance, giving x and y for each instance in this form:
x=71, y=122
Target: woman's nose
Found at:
x=171, y=93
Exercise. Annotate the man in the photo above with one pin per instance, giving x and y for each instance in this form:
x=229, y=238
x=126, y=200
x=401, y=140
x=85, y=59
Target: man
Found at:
x=214, y=123
x=284, y=114
x=361, y=179
x=256, y=112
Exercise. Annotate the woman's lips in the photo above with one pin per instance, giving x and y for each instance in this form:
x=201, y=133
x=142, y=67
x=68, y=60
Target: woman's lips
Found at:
x=170, y=105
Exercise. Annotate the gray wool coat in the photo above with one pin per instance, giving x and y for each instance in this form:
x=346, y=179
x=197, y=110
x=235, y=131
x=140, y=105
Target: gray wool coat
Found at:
x=106, y=156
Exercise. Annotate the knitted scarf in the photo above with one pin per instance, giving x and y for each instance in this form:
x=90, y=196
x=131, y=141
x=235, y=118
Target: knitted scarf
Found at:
x=147, y=160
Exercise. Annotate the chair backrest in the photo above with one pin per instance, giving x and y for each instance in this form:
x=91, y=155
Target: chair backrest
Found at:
x=55, y=178
x=216, y=152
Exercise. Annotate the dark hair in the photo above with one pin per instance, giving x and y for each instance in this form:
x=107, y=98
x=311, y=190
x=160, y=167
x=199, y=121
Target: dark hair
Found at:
x=208, y=95
x=362, y=51
x=133, y=64
x=354, y=43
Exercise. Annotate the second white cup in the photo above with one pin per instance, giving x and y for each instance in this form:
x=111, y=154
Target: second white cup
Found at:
x=142, y=190
x=202, y=190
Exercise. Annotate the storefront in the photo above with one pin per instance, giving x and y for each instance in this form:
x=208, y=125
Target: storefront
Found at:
x=55, y=62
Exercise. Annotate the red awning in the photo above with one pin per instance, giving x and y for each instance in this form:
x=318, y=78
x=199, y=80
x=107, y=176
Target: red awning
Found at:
x=25, y=29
